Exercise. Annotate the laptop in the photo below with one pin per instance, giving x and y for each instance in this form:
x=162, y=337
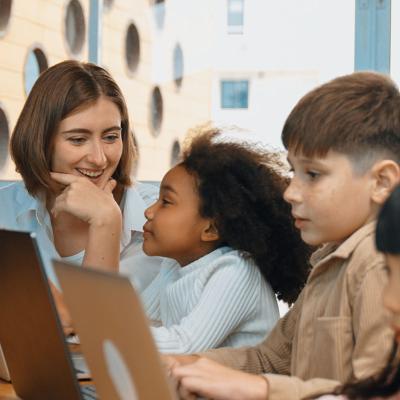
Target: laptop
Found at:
x=114, y=334
x=4, y=373
x=31, y=335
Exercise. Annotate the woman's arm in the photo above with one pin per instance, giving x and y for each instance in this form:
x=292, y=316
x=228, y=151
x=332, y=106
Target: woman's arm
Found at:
x=97, y=207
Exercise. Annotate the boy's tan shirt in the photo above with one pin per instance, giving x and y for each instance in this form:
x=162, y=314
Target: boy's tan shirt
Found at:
x=337, y=330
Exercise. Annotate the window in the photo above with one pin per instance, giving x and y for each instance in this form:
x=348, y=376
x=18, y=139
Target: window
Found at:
x=35, y=64
x=235, y=16
x=234, y=94
x=159, y=13
x=175, y=153
x=5, y=12
x=4, y=137
x=132, y=48
x=75, y=27
x=156, y=111
x=178, y=66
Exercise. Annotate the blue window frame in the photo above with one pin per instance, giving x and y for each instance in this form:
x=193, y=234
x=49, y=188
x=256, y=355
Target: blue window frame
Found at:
x=235, y=94
x=372, y=35
x=235, y=16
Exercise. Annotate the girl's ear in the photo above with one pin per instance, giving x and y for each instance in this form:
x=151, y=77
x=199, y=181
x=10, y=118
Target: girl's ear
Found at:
x=386, y=174
x=210, y=232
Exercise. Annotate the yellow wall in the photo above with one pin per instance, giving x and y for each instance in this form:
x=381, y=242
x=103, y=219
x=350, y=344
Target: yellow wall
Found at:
x=41, y=23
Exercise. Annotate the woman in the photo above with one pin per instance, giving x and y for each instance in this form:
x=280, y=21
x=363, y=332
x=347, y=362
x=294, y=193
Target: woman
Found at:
x=75, y=123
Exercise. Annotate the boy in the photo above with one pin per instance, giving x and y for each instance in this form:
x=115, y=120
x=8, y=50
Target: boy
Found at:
x=343, y=142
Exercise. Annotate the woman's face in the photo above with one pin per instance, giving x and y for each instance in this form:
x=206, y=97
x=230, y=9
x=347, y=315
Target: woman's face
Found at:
x=89, y=142
x=391, y=296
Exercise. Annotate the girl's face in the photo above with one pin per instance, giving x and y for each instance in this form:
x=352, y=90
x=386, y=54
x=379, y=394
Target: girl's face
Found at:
x=391, y=296
x=88, y=143
x=174, y=227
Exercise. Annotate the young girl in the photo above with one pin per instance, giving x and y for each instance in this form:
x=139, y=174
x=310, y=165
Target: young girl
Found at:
x=387, y=384
x=222, y=220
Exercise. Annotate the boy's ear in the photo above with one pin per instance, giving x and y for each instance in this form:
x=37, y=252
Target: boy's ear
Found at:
x=386, y=174
x=210, y=232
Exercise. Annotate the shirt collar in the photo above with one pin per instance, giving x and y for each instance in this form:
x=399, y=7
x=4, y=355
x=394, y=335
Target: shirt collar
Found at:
x=343, y=250
x=204, y=261
x=30, y=206
x=133, y=214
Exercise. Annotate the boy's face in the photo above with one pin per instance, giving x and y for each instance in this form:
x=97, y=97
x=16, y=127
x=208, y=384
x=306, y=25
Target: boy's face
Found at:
x=391, y=294
x=329, y=200
x=174, y=226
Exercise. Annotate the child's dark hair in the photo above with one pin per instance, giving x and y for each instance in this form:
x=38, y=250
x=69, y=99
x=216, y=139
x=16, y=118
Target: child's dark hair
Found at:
x=357, y=115
x=387, y=383
x=241, y=189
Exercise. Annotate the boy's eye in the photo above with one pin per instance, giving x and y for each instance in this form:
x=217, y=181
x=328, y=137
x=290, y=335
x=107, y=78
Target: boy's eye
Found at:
x=313, y=174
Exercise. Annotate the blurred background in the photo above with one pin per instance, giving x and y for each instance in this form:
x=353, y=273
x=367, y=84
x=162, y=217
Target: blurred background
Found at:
x=180, y=63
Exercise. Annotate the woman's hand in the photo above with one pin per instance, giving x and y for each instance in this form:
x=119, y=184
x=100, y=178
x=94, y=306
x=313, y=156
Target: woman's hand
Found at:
x=211, y=380
x=85, y=200
x=97, y=207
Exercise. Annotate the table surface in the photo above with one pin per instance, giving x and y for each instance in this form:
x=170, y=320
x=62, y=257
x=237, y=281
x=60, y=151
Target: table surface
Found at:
x=7, y=391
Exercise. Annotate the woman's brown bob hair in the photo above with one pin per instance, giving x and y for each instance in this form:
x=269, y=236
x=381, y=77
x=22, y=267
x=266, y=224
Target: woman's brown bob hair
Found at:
x=60, y=91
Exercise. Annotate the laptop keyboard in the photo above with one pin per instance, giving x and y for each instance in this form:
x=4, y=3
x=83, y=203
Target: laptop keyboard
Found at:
x=88, y=392
x=80, y=366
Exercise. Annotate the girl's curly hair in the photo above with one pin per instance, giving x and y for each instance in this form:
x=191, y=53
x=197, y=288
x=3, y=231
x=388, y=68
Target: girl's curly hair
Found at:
x=241, y=189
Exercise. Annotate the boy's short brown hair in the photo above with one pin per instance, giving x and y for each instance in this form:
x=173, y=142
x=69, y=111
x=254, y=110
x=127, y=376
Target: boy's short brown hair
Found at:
x=63, y=89
x=356, y=114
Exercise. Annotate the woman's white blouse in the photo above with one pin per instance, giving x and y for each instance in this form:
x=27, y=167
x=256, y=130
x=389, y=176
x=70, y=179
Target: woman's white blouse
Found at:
x=20, y=211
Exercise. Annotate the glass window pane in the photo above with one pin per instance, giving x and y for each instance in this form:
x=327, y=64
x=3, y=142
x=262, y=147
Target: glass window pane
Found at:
x=234, y=94
x=4, y=138
x=235, y=12
x=31, y=71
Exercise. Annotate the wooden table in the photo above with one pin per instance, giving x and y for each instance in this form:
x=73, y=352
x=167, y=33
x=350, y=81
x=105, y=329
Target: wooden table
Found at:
x=7, y=391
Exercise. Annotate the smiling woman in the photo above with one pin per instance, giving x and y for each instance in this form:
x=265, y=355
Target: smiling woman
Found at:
x=74, y=151
x=89, y=143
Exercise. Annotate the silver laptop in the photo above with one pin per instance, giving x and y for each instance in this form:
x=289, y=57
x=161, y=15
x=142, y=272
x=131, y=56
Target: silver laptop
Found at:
x=114, y=334
x=31, y=335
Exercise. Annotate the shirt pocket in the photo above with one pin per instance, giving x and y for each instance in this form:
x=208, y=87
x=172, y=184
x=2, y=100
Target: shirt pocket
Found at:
x=332, y=348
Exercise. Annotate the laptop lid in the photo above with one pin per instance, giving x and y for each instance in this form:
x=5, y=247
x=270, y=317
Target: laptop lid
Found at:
x=4, y=373
x=114, y=334
x=30, y=331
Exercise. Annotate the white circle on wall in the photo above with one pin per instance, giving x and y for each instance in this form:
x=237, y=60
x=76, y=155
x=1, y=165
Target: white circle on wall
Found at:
x=119, y=372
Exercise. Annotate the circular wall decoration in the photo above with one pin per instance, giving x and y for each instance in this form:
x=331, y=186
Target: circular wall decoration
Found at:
x=5, y=13
x=132, y=47
x=156, y=111
x=4, y=138
x=75, y=27
x=175, y=153
x=35, y=64
x=178, y=66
